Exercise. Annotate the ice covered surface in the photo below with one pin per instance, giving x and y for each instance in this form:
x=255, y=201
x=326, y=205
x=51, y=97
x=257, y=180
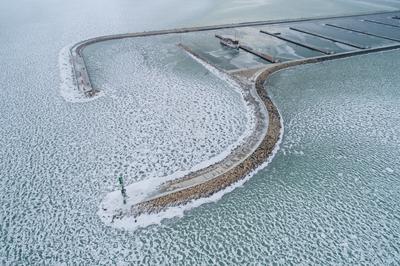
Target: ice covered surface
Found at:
x=58, y=158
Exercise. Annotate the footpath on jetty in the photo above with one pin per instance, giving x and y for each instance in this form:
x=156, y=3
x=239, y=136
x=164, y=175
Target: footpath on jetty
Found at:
x=260, y=145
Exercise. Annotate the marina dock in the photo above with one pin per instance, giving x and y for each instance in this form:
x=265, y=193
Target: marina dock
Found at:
x=297, y=28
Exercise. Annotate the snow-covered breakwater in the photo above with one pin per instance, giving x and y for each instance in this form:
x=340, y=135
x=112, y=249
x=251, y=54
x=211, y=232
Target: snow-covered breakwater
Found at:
x=216, y=176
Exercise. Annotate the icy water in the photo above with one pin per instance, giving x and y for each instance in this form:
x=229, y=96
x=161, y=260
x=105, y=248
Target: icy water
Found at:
x=58, y=159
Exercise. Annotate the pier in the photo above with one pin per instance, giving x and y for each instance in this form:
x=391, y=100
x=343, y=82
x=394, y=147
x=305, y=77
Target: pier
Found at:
x=363, y=32
x=313, y=48
x=382, y=23
x=248, y=49
x=260, y=145
x=336, y=40
x=259, y=54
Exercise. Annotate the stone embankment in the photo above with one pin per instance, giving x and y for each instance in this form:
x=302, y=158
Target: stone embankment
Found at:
x=252, y=161
x=241, y=170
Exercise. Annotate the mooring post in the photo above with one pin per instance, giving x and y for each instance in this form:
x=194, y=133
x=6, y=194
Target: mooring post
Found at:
x=123, y=190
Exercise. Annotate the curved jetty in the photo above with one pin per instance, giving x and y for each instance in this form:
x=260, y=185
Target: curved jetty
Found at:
x=245, y=158
x=197, y=185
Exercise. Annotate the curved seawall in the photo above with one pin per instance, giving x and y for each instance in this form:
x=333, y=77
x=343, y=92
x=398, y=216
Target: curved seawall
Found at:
x=248, y=163
x=243, y=160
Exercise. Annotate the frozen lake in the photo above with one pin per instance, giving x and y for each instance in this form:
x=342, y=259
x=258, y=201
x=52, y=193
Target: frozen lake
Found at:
x=331, y=193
